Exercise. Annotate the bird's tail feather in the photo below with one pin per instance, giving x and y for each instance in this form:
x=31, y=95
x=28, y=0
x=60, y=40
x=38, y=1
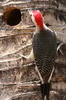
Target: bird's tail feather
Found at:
x=45, y=89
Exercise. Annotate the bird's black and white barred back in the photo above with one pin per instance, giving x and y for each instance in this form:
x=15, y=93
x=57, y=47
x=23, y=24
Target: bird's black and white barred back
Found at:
x=44, y=48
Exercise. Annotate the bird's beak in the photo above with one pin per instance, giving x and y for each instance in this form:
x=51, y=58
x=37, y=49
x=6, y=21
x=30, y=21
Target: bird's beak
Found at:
x=30, y=12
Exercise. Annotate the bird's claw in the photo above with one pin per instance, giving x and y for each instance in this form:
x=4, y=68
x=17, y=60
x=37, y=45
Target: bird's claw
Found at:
x=59, y=48
x=24, y=57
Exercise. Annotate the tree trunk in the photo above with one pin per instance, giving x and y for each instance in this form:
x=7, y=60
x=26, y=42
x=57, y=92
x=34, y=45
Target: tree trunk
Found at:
x=18, y=80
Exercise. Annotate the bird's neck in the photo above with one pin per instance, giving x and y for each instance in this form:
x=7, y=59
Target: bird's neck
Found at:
x=38, y=29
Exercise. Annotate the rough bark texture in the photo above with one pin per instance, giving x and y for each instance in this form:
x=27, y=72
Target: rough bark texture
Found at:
x=18, y=80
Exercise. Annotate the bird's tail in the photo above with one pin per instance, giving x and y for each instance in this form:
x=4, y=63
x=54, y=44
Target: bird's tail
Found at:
x=45, y=89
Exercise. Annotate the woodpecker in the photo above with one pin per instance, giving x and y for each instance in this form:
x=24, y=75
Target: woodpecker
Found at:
x=44, y=45
x=44, y=50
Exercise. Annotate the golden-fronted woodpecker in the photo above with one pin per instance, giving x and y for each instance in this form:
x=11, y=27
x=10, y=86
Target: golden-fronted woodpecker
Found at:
x=43, y=52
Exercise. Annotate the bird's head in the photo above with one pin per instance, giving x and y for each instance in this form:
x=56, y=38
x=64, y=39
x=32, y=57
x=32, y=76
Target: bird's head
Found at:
x=37, y=18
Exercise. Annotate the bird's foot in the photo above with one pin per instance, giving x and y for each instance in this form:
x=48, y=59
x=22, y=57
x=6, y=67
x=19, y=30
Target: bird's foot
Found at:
x=59, y=50
x=23, y=56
